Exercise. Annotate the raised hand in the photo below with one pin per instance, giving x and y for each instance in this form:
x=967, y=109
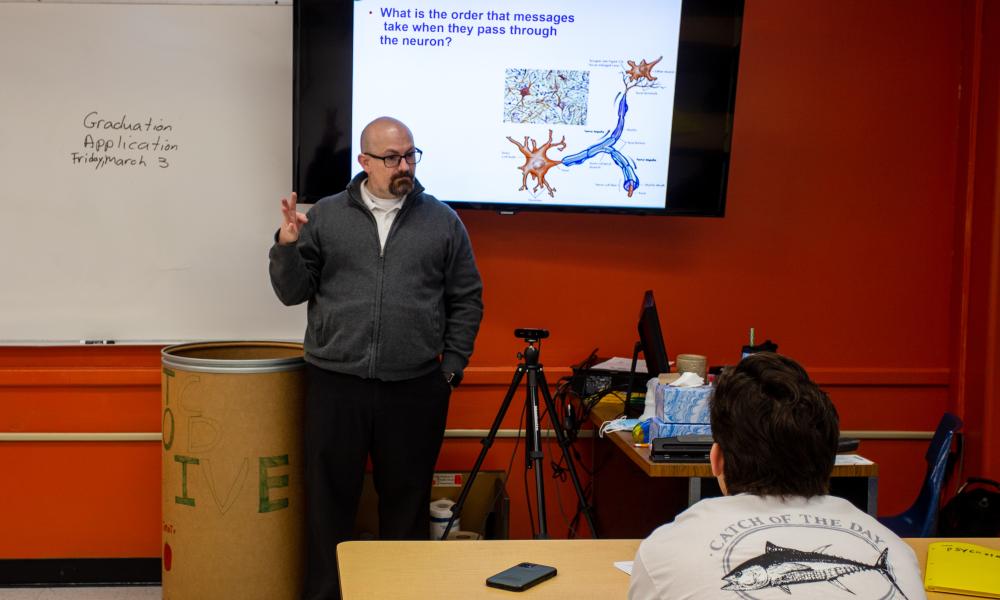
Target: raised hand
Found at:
x=292, y=221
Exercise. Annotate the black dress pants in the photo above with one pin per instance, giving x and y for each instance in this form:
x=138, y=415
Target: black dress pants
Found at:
x=400, y=424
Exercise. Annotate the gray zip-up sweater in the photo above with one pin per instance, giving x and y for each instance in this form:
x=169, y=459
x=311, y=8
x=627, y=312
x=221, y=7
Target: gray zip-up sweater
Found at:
x=384, y=314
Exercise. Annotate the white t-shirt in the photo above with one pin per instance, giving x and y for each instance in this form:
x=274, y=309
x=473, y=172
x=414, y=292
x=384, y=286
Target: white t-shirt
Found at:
x=383, y=209
x=748, y=547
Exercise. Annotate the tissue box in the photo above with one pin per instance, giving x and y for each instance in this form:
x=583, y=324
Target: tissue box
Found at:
x=659, y=429
x=681, y=411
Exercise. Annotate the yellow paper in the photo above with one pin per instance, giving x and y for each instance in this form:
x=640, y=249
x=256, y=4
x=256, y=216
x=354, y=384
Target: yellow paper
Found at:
x=963, y=568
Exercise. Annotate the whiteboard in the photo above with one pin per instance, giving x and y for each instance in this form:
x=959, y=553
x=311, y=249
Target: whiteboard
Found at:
x=144, y=152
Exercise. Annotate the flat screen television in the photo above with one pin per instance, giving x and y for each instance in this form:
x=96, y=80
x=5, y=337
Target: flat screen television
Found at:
x=555, y=105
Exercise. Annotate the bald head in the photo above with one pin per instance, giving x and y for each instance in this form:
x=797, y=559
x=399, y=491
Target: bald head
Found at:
x=382, y=133
x=387, y=137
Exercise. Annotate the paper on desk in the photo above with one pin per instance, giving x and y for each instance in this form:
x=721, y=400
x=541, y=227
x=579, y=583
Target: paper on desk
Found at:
x=852, y=459
x=624, y=565
x=623, y=365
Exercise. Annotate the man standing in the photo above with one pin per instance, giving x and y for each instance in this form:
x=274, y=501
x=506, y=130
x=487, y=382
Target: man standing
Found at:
x=395, y=302
x=776, y=532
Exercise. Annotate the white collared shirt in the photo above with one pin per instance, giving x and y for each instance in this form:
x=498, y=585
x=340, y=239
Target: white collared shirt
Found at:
x=383, y=209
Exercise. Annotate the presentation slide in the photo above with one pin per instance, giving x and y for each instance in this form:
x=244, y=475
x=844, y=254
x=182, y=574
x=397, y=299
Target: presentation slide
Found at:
x=541, y=102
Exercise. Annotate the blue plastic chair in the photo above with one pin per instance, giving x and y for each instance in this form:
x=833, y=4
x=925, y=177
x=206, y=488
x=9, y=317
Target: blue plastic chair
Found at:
x=920, y=520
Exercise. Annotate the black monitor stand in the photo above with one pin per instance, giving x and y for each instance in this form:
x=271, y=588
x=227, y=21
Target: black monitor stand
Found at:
x=629, y=411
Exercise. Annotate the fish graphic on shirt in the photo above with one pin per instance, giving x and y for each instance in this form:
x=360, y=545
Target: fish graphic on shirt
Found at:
x=782, y=567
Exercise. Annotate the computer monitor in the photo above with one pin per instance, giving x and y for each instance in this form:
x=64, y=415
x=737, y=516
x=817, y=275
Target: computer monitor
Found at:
x=651, y=337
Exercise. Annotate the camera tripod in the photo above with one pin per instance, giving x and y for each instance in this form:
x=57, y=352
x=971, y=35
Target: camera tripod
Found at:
x=532, y=434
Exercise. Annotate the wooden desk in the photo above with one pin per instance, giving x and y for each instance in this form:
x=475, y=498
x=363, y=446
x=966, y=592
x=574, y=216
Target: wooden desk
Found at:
x=863, y=489
x=420, y=570
x=444, y=570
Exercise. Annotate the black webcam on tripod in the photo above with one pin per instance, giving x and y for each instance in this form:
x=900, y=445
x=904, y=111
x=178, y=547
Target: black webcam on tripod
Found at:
x=531, y=335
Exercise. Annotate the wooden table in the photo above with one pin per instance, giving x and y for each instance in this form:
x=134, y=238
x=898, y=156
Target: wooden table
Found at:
x=444, y=570
x=862, y=480
x=420, y=570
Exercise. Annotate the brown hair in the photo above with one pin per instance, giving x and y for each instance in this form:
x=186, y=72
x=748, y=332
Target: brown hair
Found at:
x=777, y=430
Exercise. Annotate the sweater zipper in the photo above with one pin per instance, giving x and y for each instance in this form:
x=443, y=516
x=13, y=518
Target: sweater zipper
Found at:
x=377, y=325
x=377, y=318
x=379, y=279
x=376, y=329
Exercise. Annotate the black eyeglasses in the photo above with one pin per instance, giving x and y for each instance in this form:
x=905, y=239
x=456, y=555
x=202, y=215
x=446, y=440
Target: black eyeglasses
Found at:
x=392, y=161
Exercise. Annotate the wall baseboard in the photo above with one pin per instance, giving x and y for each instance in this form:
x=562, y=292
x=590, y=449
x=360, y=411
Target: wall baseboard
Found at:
x=56, y=572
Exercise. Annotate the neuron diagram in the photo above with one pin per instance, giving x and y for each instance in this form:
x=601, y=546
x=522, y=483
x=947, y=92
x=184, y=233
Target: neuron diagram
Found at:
x=563, y=102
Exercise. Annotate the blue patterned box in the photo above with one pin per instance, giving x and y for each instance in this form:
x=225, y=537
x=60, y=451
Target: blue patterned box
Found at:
x=683, y=405
x=658, y=429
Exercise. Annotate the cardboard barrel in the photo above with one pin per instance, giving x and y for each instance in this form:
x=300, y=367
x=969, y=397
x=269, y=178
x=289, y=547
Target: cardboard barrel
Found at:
x=232, y=489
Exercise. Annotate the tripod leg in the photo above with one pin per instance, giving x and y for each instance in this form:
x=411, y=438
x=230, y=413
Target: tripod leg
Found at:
x=533, y=449
x=564, y=444
x=487, y=441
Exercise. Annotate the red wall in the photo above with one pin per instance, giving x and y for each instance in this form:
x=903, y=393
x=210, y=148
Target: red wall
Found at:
x=845, y=241
x=977, y=308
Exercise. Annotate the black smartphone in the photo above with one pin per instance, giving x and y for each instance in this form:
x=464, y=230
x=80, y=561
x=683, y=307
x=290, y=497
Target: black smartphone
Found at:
x=521, y=576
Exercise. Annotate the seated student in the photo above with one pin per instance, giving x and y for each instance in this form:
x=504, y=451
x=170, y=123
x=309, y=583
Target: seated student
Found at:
x=776, y=533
